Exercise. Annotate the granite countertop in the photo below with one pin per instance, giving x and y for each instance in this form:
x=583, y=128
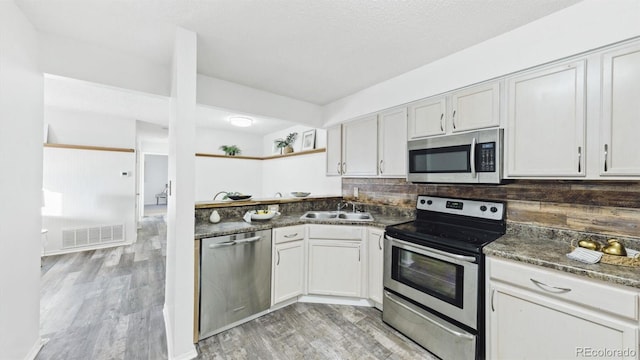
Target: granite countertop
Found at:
x=233, y=226
x=210, y=204
x=548, y=247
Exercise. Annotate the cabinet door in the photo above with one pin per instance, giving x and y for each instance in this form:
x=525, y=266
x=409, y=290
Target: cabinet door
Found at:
x=546, y=122
x=427, y=118
x=619, y=145
x=476, y=107
x=335, y=268
x=288, y=271
x=360, y=147
x=392, y=143
x=524, y=325
x=375, y=265
x=334, y=150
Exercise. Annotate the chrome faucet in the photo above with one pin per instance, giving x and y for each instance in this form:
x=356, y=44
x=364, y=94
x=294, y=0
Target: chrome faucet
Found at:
x=341, y=205
x=220, y=192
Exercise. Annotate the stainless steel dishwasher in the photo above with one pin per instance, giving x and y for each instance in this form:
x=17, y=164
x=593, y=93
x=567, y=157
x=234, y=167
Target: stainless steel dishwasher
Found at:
x=235, y=279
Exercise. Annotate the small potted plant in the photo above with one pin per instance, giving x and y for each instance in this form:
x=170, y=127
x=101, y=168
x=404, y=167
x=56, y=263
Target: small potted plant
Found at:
x=285, y=144
x=230, y=150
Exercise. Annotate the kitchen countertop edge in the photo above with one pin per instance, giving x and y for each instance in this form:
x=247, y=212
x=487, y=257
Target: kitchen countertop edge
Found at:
x=551, y=253
x=206, y=229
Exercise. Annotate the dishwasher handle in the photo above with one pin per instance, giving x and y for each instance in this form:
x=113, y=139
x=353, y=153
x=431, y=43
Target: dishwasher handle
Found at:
x=235, y=242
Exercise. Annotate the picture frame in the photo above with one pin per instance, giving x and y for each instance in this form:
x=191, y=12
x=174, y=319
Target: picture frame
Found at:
x=309, y=140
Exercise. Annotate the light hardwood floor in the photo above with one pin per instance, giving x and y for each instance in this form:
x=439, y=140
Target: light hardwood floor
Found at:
x=107, y=304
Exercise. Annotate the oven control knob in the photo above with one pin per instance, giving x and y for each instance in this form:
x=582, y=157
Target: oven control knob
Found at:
x=483, y=208
x=494, y=209
x=422, y=201
x=429, y=202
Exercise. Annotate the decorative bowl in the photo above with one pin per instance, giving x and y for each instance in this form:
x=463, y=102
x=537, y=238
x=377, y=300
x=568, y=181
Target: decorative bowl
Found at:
x=263, y=214
x=239, y=197
x=300, y=193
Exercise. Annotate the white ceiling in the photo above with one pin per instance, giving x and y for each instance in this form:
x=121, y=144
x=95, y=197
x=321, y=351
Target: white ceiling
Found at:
x=77, y=95
x=317, y=51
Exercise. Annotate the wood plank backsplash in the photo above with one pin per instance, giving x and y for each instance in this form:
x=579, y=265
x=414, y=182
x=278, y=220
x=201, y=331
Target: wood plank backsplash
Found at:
x=608, y=207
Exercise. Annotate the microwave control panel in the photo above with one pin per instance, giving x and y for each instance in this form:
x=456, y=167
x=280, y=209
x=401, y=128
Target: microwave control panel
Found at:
x=486, y=157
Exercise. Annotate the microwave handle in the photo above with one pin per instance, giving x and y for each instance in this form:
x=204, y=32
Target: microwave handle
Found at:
x=472, y=158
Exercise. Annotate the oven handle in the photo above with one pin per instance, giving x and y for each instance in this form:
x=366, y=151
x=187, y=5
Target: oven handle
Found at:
x=465, y=258
x=451, y=331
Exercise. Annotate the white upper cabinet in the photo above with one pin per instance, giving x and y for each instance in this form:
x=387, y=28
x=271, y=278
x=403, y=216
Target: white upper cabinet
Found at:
x=374, y=145
x=427, y=118
x=360, y=147
x=476, y=107
x=392, y=143
x=620, y=123
x=546, y=122
x=334, y=150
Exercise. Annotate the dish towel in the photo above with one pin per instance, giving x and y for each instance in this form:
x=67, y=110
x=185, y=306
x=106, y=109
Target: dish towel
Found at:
x=585, y=255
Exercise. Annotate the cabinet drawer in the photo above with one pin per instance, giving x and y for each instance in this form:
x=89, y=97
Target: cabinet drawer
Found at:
x=289, y=233
x=597, y=295
x=340, y=232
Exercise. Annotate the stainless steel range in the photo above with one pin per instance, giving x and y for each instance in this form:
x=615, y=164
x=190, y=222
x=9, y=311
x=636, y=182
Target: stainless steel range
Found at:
x=434, y=274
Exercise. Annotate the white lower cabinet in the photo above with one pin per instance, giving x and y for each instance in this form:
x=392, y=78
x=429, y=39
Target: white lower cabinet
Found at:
x=375, y=247
x=336, y=260
x=535, y=313
x=288, y=272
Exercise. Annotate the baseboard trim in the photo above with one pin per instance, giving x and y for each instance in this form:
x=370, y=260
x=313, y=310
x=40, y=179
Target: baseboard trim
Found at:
x=36, y=349
x=191, y=354
x=335, y=300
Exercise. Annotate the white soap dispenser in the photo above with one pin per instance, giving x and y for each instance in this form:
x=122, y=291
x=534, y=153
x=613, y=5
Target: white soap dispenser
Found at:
x=215, y=217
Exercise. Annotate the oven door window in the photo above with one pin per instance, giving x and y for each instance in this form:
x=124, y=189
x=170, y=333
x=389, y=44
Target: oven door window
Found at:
x=451, y=159
x=438, y=278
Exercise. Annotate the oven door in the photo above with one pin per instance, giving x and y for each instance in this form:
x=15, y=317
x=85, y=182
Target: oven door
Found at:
x=444, y=282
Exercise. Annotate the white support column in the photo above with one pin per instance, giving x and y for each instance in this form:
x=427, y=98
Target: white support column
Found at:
x=179, y=292
x=21, y=128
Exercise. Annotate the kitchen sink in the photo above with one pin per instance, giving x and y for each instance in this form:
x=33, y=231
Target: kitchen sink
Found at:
x=337, y=215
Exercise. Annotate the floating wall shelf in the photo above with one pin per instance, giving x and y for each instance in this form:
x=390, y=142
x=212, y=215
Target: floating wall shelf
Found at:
x=306, y=152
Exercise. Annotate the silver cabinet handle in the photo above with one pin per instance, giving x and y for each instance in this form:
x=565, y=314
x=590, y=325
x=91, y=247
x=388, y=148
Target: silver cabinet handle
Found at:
x=453, y=117
x=606, y=152
x=579, y=159
x=472, y=157
x=549, y=288
x=344, y=167
x=278, y=262
x=289, y=236
x=222, y=244
x=438, y=324
x=381, y=166
x=359, y=253
x=339, y=169
x=493, y=292
x=380, y=242
x=441, y=124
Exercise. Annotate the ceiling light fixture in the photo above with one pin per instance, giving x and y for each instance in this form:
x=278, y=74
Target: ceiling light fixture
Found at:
x=240, y=121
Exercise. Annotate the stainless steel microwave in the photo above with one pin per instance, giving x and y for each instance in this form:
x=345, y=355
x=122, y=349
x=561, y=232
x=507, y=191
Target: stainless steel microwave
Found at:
x=473, y=157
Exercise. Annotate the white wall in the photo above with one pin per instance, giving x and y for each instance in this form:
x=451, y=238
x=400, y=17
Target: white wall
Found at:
x=581, y=27
x=84, y=128
x=155, y=177
x=209, y=140
x=298, y=173
x=219, y=174
x=83, y=187
x=178, y=306
x=86, y=61
x=228, y=95
x=21, y=112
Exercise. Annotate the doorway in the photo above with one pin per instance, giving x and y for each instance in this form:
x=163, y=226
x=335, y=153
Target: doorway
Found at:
x=155, y=179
